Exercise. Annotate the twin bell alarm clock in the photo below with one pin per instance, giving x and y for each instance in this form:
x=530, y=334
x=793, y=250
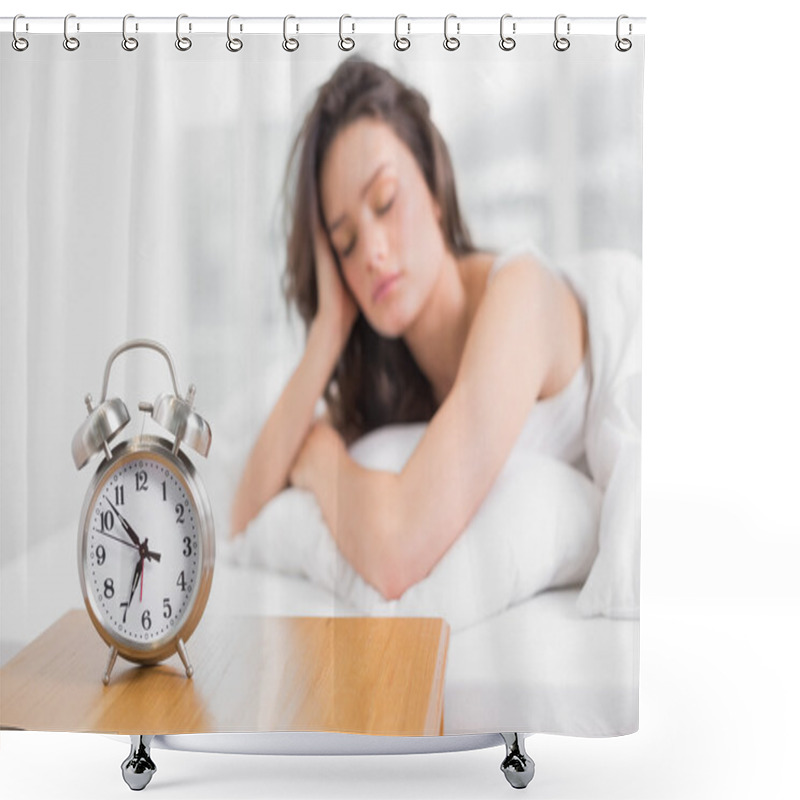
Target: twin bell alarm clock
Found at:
x=146, y=533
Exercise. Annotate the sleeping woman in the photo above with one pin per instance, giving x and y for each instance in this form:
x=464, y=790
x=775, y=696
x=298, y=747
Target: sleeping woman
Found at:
x=406, y=321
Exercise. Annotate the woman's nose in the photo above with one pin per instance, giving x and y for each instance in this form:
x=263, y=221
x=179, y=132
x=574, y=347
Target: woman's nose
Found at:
x=376, y=247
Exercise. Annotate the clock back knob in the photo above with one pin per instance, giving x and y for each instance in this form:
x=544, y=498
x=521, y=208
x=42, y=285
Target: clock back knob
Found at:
x=98, y=429
x=176, y=415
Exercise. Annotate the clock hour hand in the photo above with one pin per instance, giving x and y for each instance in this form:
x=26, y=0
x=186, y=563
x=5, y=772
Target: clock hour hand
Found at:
x=148, y=554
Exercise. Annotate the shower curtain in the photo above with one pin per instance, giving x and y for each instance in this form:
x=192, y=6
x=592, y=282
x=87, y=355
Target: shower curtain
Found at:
x=151, y=191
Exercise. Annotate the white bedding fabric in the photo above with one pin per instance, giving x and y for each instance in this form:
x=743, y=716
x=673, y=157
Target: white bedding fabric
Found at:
x=536, y=529
x=519, y=543
x=538, y=667
x=610, y=287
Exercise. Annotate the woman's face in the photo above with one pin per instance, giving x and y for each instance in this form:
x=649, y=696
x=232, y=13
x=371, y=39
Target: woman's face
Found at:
x=384, y=223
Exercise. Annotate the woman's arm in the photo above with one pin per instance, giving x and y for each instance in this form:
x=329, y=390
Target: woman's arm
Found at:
x=394, y=528
x=267, y=468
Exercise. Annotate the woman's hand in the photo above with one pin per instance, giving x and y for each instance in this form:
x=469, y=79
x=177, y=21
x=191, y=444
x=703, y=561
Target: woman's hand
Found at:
x=317, y=461
x=336, y=308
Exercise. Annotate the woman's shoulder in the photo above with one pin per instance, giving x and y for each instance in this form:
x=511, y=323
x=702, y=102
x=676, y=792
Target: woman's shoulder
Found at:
x=503, y=284
x=521, y=257
x=480, y=268
x=515, y=271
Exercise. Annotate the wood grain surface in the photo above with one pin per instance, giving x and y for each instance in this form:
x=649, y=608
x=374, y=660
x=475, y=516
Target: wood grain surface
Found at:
x=379, y=676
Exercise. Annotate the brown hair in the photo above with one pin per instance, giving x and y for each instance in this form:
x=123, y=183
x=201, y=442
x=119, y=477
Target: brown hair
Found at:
x=376, y=381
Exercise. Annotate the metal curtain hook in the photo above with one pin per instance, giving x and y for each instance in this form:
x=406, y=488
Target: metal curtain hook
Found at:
x=18, y=43
x=623, y=45
x=345, y=42
x=129, y=43
x=234, y=45
x=289, y=44
x=451, y=42
x=182, y=42
x=507, y=42
x=70, y=42
x=401, y=42
x=561, y=43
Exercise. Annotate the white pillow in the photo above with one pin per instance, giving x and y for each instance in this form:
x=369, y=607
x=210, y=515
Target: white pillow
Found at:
x=536, y=529
x=610, y=286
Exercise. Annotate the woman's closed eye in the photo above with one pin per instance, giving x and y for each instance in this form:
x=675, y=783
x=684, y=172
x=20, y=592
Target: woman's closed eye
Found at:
x=385, y=207
x=349, y=249
x=352, y=244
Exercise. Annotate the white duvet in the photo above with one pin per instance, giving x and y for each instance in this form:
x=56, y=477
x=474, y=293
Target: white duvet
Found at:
x=543, y=524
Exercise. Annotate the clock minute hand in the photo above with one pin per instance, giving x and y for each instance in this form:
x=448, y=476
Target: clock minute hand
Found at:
x=137, y=573
x=125, y=524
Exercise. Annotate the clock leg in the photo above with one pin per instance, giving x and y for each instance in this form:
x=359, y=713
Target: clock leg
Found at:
x=138, y=768
x=112, y=657
x=185, y=658
x=518, y=766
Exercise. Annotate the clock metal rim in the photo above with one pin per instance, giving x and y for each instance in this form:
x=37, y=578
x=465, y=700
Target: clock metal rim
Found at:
x=159, y=449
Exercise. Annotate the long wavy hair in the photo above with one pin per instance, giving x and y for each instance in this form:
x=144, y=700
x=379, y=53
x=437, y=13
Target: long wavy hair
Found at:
x=376, y=380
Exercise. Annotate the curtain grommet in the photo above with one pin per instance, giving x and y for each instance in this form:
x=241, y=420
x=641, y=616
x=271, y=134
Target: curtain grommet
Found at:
x=561, y=43
x=129, y=43
x=401, y=43
x=507, y=43
x=183, y=43
x=623, y=44
x=290, y=44
x=71, y=43
x=346, y=43
x=19, y=43
x=451, y=43
x=233, y=44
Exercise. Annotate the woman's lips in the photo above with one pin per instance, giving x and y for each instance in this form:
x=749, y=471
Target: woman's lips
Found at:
x=384, y=287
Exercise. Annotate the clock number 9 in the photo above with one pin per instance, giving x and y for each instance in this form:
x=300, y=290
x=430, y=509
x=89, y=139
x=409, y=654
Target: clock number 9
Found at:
x=100, y=555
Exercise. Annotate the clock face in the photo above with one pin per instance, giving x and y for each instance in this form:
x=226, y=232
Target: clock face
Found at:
x=142, y=549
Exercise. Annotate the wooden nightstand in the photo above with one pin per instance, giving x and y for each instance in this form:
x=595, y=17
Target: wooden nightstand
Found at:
x=379, y=676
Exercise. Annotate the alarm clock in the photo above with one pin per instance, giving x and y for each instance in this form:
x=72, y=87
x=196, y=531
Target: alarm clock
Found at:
x=146, y=531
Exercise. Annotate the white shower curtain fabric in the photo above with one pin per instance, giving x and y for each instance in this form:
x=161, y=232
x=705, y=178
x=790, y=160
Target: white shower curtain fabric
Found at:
x=147, y=194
